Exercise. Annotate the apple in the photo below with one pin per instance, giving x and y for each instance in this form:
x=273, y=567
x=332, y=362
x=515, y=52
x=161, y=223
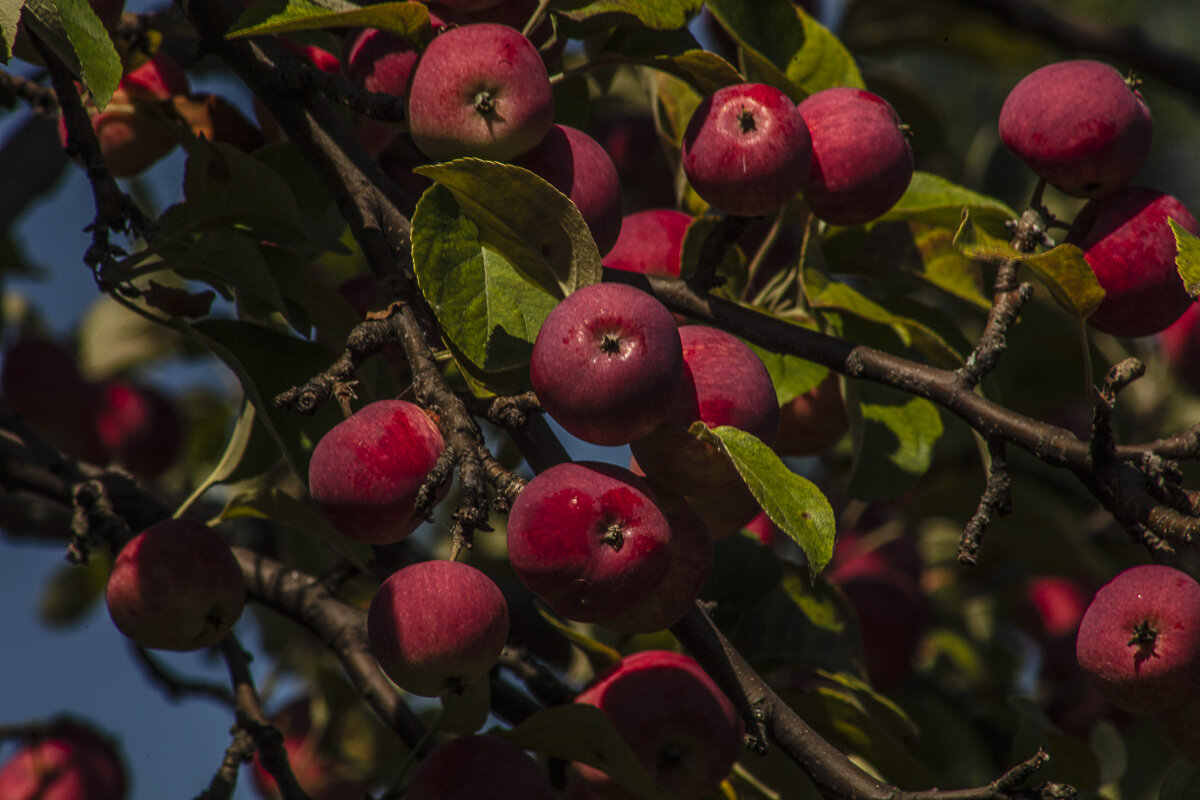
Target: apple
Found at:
x=139, y=427
x=317, y=770
x=861, y=160
x=746, y=149
x=724, y=383
x=650, y=242
x=381, y=61
x=175, y=586
x=1129, y=245
x=1139, y=640
x=606, y=363
x=479, y=90
x=764, y=529
x=365, y=472
x=475, y=767
x=42, y=384
x=1079, y=125
x=71, y=763
x=576, y=165
x=678, y=723
x=589, y=539
x=691, y=562
x=1180, y=344
x=1059, y=603
x=514, y=14
x=813, y=422
x=437, y=626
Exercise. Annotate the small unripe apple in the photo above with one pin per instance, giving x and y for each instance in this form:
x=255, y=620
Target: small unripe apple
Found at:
x=476, y=767
x=724, y=383
x=572, y=162
x=479, y=90
x=175, y=586
x=650, y=242
x=678, y=723
x=1079, y=125
x=365, y=472
x=606, y=363
x=813, y=422
x=861, y=160
x=746, y=149
x=589, y=539
x=139, y=427
x=1128, y=243
x=437, y=626
x=1139, y=640
x=71, y=763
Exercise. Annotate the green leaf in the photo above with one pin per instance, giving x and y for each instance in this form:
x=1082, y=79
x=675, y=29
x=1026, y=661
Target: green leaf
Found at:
x=943, y=266
x=227, y=258
x=581, y=732
x=72, y=591
x=894, y=434
x=410, y=20
x=937, y=201
x=249, y=452
x=771, y=34
x=743, y=573
x=675, y=52
x=10, y=15
x=1182, y=782
x=1187, y=258
x=657, y=14
x=73, y=31
x=1069, y=279
x=113, y=339
x=823, y=62
x=485, y=306
x=791, y=375
x=974, y=242
x=518, y=214
x=598, y=654
x=793, y=502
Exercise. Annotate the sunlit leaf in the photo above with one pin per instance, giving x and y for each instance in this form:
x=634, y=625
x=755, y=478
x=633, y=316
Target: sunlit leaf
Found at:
x=1069, y=279
x=936, y=201
x=1187, y=258
x=73, y=31
x=893, y=434
x=659, y=14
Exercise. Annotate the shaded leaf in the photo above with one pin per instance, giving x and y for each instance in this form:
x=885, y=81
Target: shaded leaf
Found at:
x=581, y=732
x=72, y=591
x=227, y=259
x=658, y=14
x=743, y=573
x=73, y=31
x=1069, y=279
x=598, y=654
x=676, y=52
x=945, y=267
x=974, y=242
x=937, y=201
x=793, y=502
x=1182, y=782
x=893, y=434
x=409, y=20
x=1187, y=258
x=732, y=266
x=178, y=302
x=113, y=339
x=249, y=452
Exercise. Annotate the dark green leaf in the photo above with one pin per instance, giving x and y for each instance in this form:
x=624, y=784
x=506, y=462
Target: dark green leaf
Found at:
x=226, y=258
x=410, y=20
x=677, y=101
x=581, y=732
x=248, y=452
x=793, y=502
x=323, y=224
x=1187, y=258
x=486, y=308
x=598, y=654
x=1069, y=279
x=732, y=266
x=744, y=572
x=894, y=434
x=73, y=31
x=72, y=591
x=770, y=33
x=937, y=201
x=658, y=14
x=674, y=52
x=1182, y=782
x=535, y=227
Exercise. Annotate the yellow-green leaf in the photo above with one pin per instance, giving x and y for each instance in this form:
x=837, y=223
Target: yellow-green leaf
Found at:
x=1187, y=257
x=1069, y=279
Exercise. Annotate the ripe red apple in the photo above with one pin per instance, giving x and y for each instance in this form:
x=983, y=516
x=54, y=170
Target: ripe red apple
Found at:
x=72, y=763
x=679, y=724
x=1139, y=640
x=764, y=529
x=479, y=90
x=380, y=61
x=650, y=242
x=1128, y=243
x=861, y=160
x=589, y=539
x=606, y=363
x=746, y=149
x=1059, y=603
x=437, y=626
x=175, y=586
x=317, y=770
x=573, y=162
x=475, y=767
x=724, y=383
x=1079, y=125
x=813, y=422
x=1180, y=344
x=365, y=472
x=42, y=384
x=691, y=562
x=139, y=427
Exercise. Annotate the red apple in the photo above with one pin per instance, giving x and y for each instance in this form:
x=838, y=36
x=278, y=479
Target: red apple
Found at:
x=1139, y=640
x=679, y=724
x=380, y=61
x=746, y=149
x=479, y=90
x=764, y=529
x=1180, y=344
x=589, y=539
x=478, y=767
x=572, y=162
x=317, y=770
x=606, y=363
x=175, y=586
x=1079, y=125
x=139, y=427
x=42, y=384
x=365, y=472
x=437, y=626
x=724, y=383
x=861, y=160
x=650, y=242
x=1059, y=603
x=1128, y=243
x=72, y=763
x=813, y=422
x=514, y=14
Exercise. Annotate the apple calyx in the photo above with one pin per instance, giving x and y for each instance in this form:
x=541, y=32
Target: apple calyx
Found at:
x=614, y=537
x=485, y=103
x=746, y=120
x=1144, y=637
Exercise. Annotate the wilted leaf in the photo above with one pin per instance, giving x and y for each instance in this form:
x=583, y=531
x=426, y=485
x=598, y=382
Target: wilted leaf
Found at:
x=1187, y=258
x=894, y=434
x=793, y=502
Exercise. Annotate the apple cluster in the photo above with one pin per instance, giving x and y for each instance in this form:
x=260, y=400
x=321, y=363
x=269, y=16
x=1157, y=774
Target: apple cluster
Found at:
x=1085, y=129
